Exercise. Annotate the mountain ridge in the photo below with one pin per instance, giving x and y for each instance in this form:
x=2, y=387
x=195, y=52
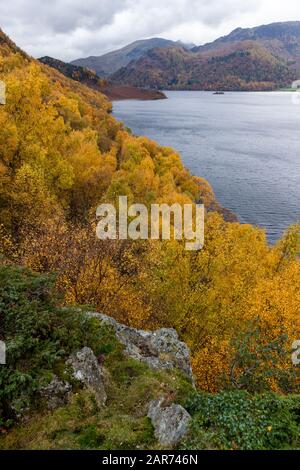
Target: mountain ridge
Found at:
x=110, y=62
x=249, y=67
x=265, y=57
x=281, y=39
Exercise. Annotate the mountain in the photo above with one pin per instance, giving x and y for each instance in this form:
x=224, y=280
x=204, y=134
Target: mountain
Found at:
x=244, y=65
x=266, y=57
x=80, y=74
x=186, y=45
x=91, y=79
x=262, y=58
x=281, y=39
x=109, y=63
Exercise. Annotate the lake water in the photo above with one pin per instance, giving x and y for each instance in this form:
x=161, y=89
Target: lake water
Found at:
x=247, y=145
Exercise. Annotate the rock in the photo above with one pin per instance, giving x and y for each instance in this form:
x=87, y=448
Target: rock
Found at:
x=165, y=343
x=87, y=370
x=161, y=349
x=19, y=408
x=56, y=393
x=170, y=424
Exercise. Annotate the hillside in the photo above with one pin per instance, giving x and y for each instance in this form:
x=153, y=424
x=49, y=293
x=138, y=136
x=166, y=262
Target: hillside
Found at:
x=262, y=58
x=89, y=78
x=8, y=46
x=80, y=74
x=280, y=39
x=234, y=304
x=109, y=63
x=242, y=67
x=107, y=408
x=90, y=390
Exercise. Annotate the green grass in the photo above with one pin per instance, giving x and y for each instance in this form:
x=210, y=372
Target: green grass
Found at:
x=39, y=341
x=121, y=425
x=37, y=334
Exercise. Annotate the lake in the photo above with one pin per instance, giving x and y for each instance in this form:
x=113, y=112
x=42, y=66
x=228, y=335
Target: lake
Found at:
x=247, y=145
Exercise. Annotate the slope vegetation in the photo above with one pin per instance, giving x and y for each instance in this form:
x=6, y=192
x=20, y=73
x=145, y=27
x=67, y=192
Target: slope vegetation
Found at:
x=89, y=78
x=235, y=303
x=281, y=39
x=239, y=66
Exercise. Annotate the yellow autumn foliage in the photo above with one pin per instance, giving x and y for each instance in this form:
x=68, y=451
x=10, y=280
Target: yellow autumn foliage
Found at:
x=61, y=154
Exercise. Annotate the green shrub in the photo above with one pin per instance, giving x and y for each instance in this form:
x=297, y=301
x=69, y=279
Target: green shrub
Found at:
x=38, y=337
x=239, y=420
x=258, y=365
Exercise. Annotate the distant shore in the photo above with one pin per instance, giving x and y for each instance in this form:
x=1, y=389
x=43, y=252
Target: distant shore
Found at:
x=127, y=92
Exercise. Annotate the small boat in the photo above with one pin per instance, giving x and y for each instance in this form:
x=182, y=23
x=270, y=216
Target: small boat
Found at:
x=219, y=93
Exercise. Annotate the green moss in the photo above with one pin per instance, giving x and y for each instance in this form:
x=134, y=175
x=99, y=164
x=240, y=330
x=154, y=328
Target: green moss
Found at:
x=40, y=336
x=39, y=340
x=121, y=425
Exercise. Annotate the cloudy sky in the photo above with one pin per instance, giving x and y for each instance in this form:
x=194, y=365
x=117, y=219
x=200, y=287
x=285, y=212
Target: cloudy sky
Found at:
x=69, y=29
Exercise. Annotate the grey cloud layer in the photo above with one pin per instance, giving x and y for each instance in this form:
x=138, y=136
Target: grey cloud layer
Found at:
x=70, y=29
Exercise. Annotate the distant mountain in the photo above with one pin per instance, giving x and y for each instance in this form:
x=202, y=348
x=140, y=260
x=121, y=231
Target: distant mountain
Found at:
x=91, y=79
x=109, y=63
x=242, y=66
x=281, y=39
x=262, y=58
x=188, y=46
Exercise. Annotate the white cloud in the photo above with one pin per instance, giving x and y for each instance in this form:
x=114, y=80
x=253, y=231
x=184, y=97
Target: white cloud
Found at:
x=69, y=29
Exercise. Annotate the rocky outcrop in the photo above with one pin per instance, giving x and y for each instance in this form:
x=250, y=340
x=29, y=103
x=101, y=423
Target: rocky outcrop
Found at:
x=55, y=393
x=170, y=424
x=160, y=349
x=86, y=369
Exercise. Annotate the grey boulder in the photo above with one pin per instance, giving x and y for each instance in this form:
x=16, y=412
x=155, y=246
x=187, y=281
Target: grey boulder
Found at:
x=86, y=369
x=55, y=393
x=160, y=349
x=170, y=424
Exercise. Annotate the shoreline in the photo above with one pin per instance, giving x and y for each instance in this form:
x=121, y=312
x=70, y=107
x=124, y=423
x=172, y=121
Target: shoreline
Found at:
x=127, y=92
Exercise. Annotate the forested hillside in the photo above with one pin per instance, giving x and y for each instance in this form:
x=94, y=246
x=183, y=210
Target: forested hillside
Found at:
x=80, y=74
x=241, y=66
x=281, y=39
x=89, y=78
x=235, y=303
